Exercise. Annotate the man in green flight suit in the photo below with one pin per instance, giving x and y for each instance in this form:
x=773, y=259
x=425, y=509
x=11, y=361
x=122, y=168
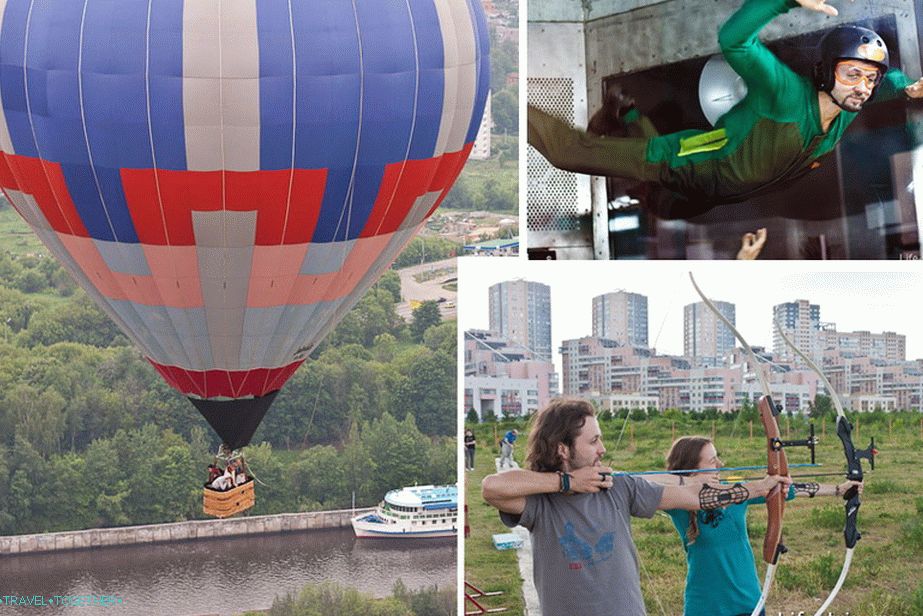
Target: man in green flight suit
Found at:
x=774, y=135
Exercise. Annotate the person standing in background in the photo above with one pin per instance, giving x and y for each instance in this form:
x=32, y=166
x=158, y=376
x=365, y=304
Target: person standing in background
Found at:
x=470, y=445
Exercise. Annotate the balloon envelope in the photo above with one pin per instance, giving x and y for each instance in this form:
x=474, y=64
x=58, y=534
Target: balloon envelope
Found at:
x=227, y=177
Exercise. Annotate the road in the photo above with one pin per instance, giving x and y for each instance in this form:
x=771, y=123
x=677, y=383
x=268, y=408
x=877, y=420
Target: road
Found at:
x=412, y=290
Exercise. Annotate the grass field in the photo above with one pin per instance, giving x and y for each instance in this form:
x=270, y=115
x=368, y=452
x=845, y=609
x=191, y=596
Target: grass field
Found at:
x=17, y=236
x=886, y=576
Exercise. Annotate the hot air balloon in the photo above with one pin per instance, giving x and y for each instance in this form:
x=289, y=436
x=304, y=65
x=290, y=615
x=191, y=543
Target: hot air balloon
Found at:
x=226, y=178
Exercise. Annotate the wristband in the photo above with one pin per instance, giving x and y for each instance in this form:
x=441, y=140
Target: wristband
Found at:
x=565, y=482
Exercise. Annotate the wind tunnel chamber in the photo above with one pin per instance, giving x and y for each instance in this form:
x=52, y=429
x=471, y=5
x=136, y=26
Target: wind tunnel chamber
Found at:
x=859, y=204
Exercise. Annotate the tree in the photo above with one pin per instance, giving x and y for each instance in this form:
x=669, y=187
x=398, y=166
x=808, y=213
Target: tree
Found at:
x=318, y=479
x=748, y=411
x=400, y=451
x=36, y=416
x=390, y=281
x=442, y=337
x=76, y=320
x=505, y=111
x=823, y=407
x=329, y=598
x=426, y=315
x=429, y=392
x=274, y=494
x=359, y=466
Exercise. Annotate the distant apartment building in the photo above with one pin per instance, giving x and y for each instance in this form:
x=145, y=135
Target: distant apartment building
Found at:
x=886, y=345
x=705, y=338
x=481, y=148
x=503, y=378
x=520, y=312
x=800, y=320
x=622, y=317
x=866, y=383
x=629, y=377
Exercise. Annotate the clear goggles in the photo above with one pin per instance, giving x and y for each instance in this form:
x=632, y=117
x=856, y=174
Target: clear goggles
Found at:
x=851, y=73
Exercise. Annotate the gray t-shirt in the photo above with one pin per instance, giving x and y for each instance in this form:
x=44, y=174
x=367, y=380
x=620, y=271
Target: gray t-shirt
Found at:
x=584, y=560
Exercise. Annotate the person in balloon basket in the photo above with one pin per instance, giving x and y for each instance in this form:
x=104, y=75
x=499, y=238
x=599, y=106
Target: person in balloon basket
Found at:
x=225, y=481
x=579, y=515
x=213, y=473
x=506, y=448
x=721, y=578
x=240, y=474
x=773, y=136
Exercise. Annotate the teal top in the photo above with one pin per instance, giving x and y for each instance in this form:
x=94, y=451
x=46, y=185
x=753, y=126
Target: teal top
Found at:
x=721, y=578
x=774, y=134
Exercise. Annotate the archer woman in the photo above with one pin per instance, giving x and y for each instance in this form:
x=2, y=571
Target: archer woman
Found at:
x=721, y=579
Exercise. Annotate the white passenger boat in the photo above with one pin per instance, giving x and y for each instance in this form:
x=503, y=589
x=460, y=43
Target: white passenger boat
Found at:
x=415, y=512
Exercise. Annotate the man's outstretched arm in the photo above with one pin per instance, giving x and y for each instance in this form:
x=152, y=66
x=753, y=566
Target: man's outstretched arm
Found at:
x=895, y=84
x=508, y=491
x=739, y=40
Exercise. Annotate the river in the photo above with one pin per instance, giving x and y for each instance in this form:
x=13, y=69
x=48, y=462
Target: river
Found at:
x=219, y=577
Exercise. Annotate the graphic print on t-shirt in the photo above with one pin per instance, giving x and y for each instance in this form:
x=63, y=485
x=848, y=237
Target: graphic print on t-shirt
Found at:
x=580, y=553
x=713, y=518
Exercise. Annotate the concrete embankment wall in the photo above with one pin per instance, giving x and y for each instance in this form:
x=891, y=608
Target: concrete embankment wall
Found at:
x=179, y=531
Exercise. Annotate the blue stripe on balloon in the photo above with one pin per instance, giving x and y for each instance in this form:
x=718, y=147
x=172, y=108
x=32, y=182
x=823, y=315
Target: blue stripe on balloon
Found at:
x=52, y=82
x=114, y=58
x=114, y=108
x=55, y=111
x=327, y=95
x=431, y=53
x=483, y=67
x=389, y=98
x=165, y=84
x=12, y=43
x=276, y=83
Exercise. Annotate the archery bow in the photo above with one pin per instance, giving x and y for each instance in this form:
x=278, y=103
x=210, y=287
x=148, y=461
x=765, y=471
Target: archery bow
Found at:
x=778, y=463
x=853, y=468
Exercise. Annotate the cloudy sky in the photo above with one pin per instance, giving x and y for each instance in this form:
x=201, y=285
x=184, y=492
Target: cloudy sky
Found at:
x=851, y=298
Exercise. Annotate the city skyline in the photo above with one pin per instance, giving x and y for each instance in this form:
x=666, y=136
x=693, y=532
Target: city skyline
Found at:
x=854, y=301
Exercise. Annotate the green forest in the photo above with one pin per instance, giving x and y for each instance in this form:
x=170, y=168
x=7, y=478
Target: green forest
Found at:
x=91, y=436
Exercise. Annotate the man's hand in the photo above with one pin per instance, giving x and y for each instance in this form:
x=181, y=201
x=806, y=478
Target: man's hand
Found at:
x=751, y=244
x=915, y=90
x=820, y=6
x=589, y=479
x=607, y=121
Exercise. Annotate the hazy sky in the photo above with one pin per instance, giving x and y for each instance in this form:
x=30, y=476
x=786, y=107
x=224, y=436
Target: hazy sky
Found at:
x=851, y=298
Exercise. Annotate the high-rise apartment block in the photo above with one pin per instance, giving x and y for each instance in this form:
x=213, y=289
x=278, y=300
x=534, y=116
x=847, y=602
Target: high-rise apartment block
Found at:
x=705, y=338
x=520, y=312
x=800, y=320
x=622, y=317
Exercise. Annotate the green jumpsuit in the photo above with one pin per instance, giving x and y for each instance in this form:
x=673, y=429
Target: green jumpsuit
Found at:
x=770, y=137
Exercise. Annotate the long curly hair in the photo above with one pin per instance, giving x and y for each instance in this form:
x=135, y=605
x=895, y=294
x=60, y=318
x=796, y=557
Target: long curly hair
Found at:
x=684, y=456
x=558, y=423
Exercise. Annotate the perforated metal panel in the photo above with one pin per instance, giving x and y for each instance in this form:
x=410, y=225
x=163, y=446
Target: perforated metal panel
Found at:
x=553, y=203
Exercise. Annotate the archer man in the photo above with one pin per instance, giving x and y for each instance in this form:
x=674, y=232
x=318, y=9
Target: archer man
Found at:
x=579, y=516
x=773, y=136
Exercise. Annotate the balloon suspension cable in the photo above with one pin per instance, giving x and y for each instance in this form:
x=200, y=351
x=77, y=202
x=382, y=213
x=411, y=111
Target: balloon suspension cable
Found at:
x=226, y=455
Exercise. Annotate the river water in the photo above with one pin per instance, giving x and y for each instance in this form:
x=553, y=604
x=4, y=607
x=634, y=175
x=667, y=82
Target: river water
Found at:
x=219, y=576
